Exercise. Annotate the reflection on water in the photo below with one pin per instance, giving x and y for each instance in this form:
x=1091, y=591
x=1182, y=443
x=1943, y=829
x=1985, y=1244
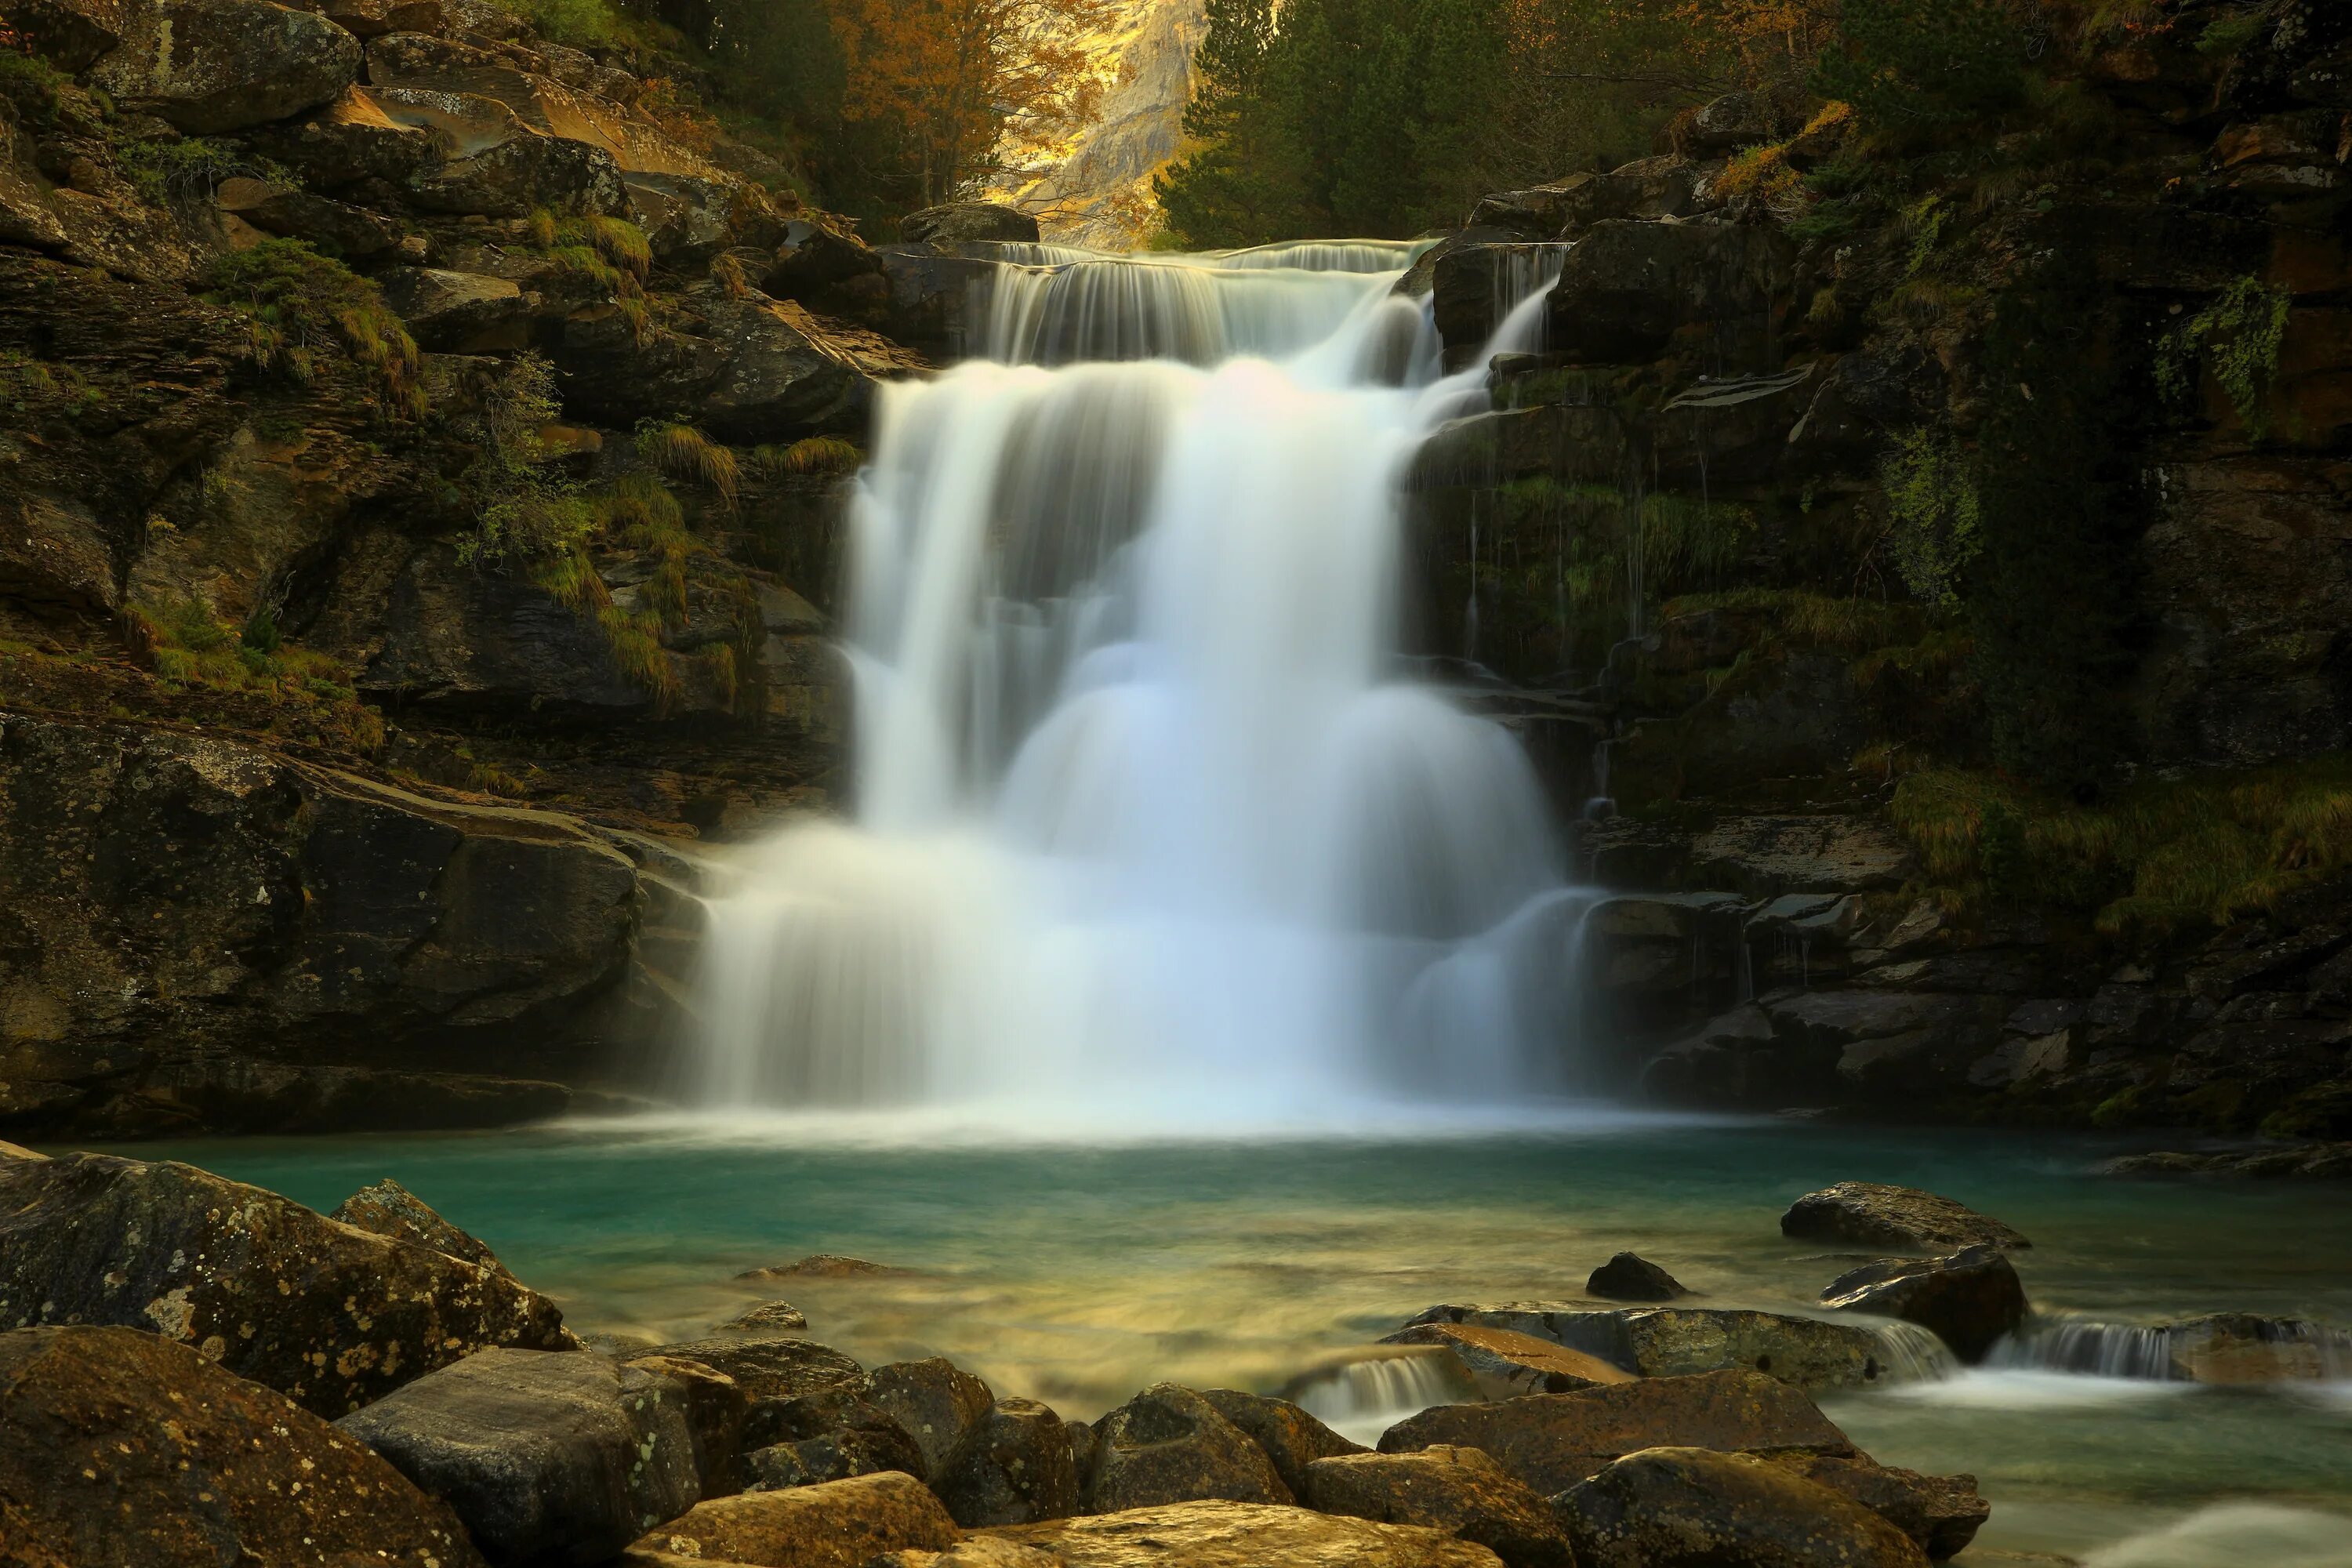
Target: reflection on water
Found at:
x=1079, y=1273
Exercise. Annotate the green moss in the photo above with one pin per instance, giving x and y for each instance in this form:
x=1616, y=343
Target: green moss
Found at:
x=304, y=306
x=2231, y=31
x=191, y=168
x=2239, y=335
x=28, y=384
x=190, y=649
x=33, y=87
x=1935, y=515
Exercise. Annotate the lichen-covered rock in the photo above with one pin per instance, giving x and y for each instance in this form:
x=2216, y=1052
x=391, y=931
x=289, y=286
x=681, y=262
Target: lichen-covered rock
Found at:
x=717, y=1411
x=965, y=223
x=1169, y=1445
x=333, y=1317
x=1942, y=1513
x=935, y=1400
x=198, y=1467
x=548, y=1458
x=387, y=1208
x=839, y=1524
x=1505, y=1363
x=770, y=1366
x=1457, y=1490
x=1690, y=1507
x=1968, y=1299
x=1552, y=1441
x=1016, y=1465
x=1672, y=1341
x=1876, y=1214
x=827, y=1434
x=1214, y=1533
x=1291, y=1438
x=216, y=65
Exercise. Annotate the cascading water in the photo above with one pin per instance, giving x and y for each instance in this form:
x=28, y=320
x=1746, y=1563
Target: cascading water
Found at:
x=1145, y=823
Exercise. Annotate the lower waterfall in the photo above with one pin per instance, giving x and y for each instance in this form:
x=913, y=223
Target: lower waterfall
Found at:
x=1149, y=821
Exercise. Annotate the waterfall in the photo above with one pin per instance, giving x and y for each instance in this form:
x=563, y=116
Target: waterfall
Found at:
x=1145, y=820
x=2224, y=1348
x=1364, y=1395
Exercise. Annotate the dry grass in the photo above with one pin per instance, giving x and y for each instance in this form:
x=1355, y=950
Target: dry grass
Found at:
x=815, y=455
x=682, y=452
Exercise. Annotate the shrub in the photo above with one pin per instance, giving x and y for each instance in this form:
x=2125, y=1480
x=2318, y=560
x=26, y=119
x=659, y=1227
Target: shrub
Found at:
x=1915, y=67
x=525, y=509
x=2239, y=334
x=1935, y=528
x=192, y=168
x=303, y=304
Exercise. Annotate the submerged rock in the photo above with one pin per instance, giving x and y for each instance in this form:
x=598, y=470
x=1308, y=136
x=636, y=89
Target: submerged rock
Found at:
x=768, y=1318
x=1016, y=1465
x=1214, y=1533
x=1690, y=1507
x=1170, y=1445
x=823, y=1265
x=1968, y=1299
x=1669, y=1342
x=1457, y=1490
x=1552, y=1441
x=1874, y=1213
x=330, y=1315
x=1629, y=1277
x=2247, y=1347
x=199, y=1467
x=548, y=1458
x=1505, y=1362
x=839, y=1524
x=1291, y=1438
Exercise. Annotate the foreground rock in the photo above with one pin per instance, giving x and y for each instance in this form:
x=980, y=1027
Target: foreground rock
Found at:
x=1505, y=1363
x=1169, y=1445
x=770, y=1366
x=828, y=1435
x=1872, y=1214
x=199, y=1467
x=1629, y=1277
x=1673, y=1341
x=935, y=1400
x=1552, y=1441
x=839, y=1524
x=1016, y=1465
x=1689, y=1508
x=1941, y=1513
x=1461, y=1491
x=1289, y=1435
x=546, y=1457
x=1969, y=1299
x=387, y=1208
x=330, y=1316
x=1220, y=1534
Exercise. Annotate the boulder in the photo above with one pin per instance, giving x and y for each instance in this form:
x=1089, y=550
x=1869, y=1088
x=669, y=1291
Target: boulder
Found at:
x=967, y=223
x=826, y=269
x=774, y=1366
x=457, y=312
x=215, y=66
x=1668, y=1341
x=1941, y=1513
x=334, y=226
x=1660, y=187
x=1457, y=1490
x=1016, y=1465
x=350, y=139
x=767, y=1318
x=1169, y=1445
x=2251, y=1348
x=387, y=1208
x=935, y=1400
x=1552, y=1441
x=1628, y=287
x=1968, y=1299
x=2320, y=1161
x=198, y=1465
x=1690, y=1507
x=1537, y=213
x=1291, y=1438
x=717, y=1411
x=1875, y=1214
x=330, y=1316
x=1221, y=1534
x=1505, y=1363
x=556, y=1458
x=73, y=33
x=1629, y=1277
x=1473, y=286
x=837, y=1524
x=1726, y=124
x=374, y=18
x=788, y=375
x=521, y=172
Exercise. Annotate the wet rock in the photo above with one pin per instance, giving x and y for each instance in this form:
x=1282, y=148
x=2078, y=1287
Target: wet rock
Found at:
x=1016, y=1465
x=1628, y=287
x=1538, y=212
x=768, y=1318
x=558, y=1458
x=938, y=298
x=789, y=374
x=1941, y=1513
x=1670, y=1342
x=457, y=312
x=980, y=1551
x=2314, y=1161
x=965, y=223
x=1471, y=289
x=1629, y=1277
x=1169, y=1445
x=216, y=66
x=837, y=1524
x=774, y=1366
x=1552, y=1441
x=1968, y=1299
x=2250, y=1347
x=1223, y=1534
x=1768, y=856
x=825, y=269
x=1505, y=1363
x=387, y=1208
x=1291, y=1438
x=199, y=1467
x=1457, y=1490
x=935, y=1400
x=823, y=1265
x=1875, y=1214
x=716, y=1411
x=1689, y=1508
x=330, y=1316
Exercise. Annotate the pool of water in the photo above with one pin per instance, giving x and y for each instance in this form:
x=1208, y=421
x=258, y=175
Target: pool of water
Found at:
x=1078, y=1272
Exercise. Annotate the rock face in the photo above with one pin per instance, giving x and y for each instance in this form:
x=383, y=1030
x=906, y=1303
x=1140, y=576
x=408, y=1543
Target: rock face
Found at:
x=548, y=1458
x=1669, y=1342
x=1688, y=1508
x=840, y=1524
x=1016, y=1465
x=1969, y=1299
x=1872, y=1214
x=1629, y=1277
x=212, y=66
x=1505, y=1363
x=1552, y=1441
x=332, y=1317
x=1169, y=1445
x=1217, y=1534
x=199, y=1467
x=1628, y=286
x=1456, y=1489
